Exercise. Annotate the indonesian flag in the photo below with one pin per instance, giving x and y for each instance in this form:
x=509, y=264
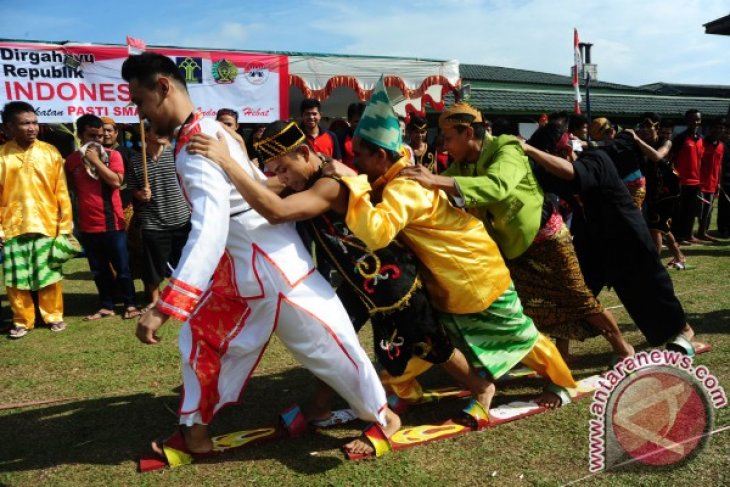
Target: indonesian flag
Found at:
x=135, y=46
x=578, y=63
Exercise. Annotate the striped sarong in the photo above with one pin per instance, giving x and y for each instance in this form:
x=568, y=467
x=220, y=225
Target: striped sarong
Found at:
x=34, y=261
x=496, y=338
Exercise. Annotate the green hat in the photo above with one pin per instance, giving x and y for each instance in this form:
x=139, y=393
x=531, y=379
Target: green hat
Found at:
x=379, y=123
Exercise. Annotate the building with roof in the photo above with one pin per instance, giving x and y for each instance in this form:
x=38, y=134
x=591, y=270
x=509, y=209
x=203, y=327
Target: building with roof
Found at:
x=521, y=96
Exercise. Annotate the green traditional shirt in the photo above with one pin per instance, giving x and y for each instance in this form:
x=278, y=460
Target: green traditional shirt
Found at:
x=501, y=190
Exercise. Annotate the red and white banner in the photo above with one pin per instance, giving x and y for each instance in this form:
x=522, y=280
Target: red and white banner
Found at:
x=65, y=81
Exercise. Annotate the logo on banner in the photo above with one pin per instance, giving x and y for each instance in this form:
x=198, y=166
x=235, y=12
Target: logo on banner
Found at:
x=655, y=408
x=191, y=68
x=224, y=71
x=256, y=73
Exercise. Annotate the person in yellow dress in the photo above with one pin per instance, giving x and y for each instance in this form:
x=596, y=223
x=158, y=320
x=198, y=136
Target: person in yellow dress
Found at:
x=35, y=221
x=462, y=269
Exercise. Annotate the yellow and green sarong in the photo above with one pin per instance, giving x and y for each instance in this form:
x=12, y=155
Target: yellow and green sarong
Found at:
x=34, y=261
x=497, y=338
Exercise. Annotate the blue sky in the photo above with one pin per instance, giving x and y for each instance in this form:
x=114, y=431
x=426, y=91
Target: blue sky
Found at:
x=635, y=41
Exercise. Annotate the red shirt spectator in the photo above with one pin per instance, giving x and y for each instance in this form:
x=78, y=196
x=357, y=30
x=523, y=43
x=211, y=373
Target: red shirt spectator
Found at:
x=710, y=165
x=318, y=138
x=100, y=206
x=688, y=158
x=325, y=143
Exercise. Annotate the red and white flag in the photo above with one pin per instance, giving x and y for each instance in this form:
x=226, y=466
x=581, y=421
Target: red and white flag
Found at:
x=577, y=68
x=135, y=46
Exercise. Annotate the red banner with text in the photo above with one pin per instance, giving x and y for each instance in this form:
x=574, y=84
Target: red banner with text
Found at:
x=65, y=81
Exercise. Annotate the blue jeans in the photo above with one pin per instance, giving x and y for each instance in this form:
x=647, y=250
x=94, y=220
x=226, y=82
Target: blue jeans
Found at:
x=105, y=250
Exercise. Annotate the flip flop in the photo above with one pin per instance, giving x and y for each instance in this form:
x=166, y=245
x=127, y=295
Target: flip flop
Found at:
x=683, y=345
x=132, y=312
x=99, y=315
x=339, y=416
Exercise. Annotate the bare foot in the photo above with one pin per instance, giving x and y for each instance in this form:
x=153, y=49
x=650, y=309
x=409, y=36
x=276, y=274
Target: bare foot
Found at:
x=548, y=400
x=196, y=438
x=485, y=396
x=362, y=445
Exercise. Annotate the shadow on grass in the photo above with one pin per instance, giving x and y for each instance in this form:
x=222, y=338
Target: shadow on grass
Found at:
x=717, y=321
x=715, y=250
x=116, y=430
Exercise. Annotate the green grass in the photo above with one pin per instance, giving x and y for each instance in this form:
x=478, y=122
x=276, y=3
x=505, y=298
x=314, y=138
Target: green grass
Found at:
x=121, y=394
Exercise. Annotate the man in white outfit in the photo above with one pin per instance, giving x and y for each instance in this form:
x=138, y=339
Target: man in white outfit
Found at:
x=240, y=279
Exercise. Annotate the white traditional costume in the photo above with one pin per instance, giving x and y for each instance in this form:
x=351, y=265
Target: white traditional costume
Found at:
x=239, y=280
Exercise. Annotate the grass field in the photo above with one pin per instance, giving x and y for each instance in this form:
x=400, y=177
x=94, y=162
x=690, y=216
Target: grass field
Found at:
x=115, y=395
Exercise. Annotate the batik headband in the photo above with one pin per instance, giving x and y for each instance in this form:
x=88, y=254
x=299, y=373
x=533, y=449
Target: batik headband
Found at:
x=282, y=142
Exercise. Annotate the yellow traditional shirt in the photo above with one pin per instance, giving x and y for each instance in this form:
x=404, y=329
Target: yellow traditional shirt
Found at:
x=33, y=192
x=462, y=268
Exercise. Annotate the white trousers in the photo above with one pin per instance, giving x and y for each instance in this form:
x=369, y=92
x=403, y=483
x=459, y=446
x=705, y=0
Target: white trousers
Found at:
x=224, y=339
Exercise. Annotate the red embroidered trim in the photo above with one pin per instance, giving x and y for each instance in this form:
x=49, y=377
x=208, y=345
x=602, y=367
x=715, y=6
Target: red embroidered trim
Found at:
x=184, y=286
x=177, y=303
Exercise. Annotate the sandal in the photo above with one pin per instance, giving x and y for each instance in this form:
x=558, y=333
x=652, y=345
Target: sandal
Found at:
x=58, y=326
x=102, y=313
x=131, y=312
x=18, y=332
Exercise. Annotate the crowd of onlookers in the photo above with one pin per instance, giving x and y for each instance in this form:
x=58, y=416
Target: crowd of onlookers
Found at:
x=118, y=201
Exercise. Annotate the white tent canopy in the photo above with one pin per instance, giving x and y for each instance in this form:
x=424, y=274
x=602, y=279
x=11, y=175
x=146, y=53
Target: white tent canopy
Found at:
x=339, y=80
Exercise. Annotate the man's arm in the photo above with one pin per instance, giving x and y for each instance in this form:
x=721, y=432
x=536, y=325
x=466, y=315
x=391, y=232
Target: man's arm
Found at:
x=63, y=200
x=208, y=191
x=139, y=191
x=377, y=226
x=496, y=182
x=429, y=180
x=112, y=175
x=654, y=155
x=298, y=206
x=555, y=165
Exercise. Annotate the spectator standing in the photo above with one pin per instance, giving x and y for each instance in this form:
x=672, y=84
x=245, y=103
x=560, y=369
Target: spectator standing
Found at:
x=97, y=174
x=688, y=150
x=319, y=139
x=662, y=184
x=163, y=212
x=723, y=205
x=35, y=221
x=110, y=140
x=578, y=130
x=710, y=166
